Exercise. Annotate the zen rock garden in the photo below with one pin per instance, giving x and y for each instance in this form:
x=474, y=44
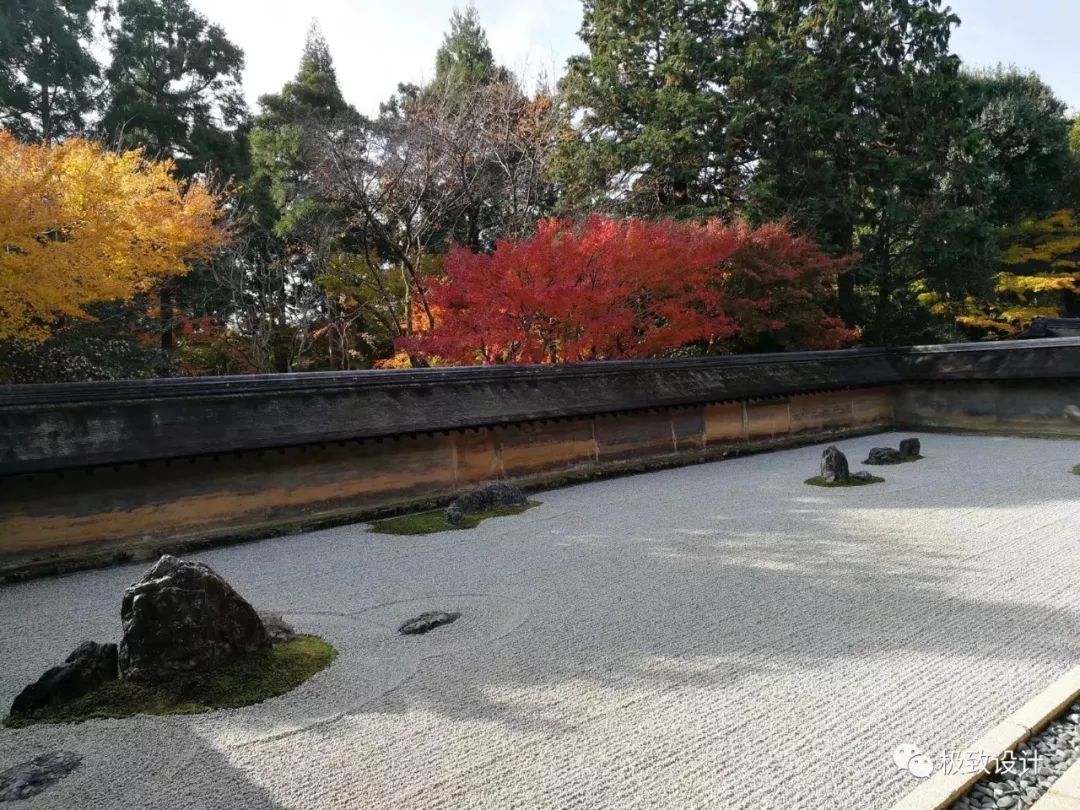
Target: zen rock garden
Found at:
x=187, y=635
x=836, y=472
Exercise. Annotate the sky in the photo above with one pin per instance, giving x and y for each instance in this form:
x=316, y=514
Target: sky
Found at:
x=378, y=43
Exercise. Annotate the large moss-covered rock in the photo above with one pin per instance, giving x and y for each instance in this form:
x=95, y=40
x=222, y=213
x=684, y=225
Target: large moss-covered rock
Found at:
x=483, y=498
x=834, y=466
x=182, y=617
x=89, y=666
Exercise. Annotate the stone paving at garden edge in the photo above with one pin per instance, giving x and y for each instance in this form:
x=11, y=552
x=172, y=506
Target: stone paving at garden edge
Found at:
x=719, y=635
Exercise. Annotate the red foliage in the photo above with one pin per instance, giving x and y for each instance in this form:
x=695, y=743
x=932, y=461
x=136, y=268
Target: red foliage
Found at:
x=617, y=288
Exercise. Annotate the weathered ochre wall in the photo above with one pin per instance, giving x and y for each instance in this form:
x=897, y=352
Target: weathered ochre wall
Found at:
x=54, y=520
x=1034, y=407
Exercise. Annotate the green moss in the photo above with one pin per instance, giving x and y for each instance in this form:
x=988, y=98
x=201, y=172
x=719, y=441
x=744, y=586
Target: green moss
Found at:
x=817, y=481
x=253, y=678
x=431, y=522
x=1076, y=470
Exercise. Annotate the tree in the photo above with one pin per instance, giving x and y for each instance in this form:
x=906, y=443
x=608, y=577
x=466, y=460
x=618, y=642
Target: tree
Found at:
x=80, y=224
x=651, y=102
x=47, y=72
x=614, y=288
x=465, y=58
x=1024, y=136
x=855, y=112
x=174, y=91
x=459, y=161
x=289, y=231
x=1039, y=277
x=174, y=85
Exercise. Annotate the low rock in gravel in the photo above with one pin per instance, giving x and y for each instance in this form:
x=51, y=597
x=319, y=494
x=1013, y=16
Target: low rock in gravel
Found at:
x=909, y=448
x=30, y=778
x=88, y=666
x=487, y=496
x=883, y=455
x=426, y=622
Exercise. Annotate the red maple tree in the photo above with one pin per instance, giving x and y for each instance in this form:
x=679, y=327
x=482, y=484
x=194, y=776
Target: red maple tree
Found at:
x=627, y=288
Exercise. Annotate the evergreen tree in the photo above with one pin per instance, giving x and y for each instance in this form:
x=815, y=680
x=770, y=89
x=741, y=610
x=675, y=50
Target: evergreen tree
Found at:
x=174, y=84
x=465, y=56
x=47, y=72
x=288, y=224
x=855, y=113
x=651, y=98
x=280, y=153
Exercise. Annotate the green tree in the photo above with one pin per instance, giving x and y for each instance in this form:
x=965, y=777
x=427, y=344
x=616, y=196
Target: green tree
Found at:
x=280, y=140
x=651, y=107
x=174, y=86
x=855, y=113
x=47, y=73
x=290, y=231
x=465, y=56
x=174, y=90
x=1025, y=143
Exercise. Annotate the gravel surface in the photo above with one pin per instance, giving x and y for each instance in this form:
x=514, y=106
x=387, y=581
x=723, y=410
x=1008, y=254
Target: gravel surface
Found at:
x=713, y=636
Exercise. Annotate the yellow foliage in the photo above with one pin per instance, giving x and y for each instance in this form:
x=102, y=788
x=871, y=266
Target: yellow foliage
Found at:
x=1022, y=285
x=399, y=360
x=81, y=224
x=1041, y=257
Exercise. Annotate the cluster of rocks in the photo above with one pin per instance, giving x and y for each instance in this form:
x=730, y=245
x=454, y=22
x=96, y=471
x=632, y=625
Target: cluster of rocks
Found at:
x=909, y=449
x=1034, y=767
x=181, y=617
x=835, y=468
x=485, y=497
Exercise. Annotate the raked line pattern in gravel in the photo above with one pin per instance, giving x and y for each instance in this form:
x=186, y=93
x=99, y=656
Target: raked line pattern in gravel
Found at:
x=720, y=635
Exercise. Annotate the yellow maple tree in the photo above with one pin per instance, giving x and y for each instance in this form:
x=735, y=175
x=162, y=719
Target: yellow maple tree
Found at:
x=1040, y=261
x=81, y=224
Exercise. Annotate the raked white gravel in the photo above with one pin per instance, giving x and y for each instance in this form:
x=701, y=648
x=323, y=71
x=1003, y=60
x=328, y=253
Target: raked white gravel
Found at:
x=719, y=635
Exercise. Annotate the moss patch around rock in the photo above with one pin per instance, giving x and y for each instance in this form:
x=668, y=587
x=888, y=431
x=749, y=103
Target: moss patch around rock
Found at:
x=253, y=678
x=818, y=481
x=432, y=522
x=1076, y=470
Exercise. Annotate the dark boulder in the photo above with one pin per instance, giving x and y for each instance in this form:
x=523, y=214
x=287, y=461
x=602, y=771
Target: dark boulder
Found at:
x=426, y=622
x=483, y=498
x=834, y=466
x=909, y=448
x=883, y=455
x=182, y=617
x=87, y=668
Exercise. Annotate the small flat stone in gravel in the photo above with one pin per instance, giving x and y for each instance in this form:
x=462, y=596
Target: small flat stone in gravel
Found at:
x=426, y=622
x=30, y=778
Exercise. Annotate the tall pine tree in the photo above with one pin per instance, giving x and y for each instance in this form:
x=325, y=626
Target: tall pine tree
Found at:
x=47, y=73
x=652, y=107
x=174, y=86
x=854, y=111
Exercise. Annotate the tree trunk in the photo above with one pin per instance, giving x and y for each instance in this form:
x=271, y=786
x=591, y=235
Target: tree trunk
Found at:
x=167, y=312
